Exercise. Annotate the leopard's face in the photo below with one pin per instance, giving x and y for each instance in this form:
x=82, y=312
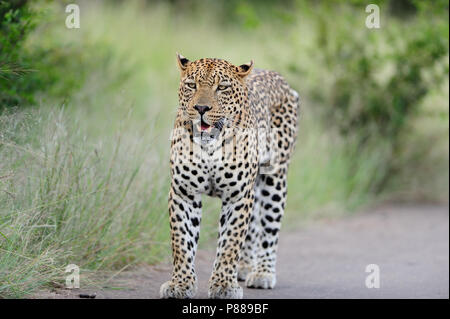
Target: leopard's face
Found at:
x=212, y=94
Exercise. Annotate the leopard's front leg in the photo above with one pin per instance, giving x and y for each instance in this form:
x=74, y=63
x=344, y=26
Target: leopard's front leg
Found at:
x=234, y=221
x=185, y=216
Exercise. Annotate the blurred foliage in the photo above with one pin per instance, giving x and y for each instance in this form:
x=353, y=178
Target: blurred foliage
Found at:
x=375, y=84
x=363, y=104
x=246, y=14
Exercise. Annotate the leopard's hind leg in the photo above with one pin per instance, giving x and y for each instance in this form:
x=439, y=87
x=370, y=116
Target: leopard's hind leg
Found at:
x=259, y=254
x=272, y=202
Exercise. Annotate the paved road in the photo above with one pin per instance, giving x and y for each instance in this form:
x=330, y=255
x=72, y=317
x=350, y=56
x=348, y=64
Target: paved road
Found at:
x=410, y=244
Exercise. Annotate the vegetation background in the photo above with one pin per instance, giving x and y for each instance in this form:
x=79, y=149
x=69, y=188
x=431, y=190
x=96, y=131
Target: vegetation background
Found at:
x=86, y=115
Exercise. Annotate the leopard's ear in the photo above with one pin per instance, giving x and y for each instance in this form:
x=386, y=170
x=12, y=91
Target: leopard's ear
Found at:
x=182, y=62
x=245, y=69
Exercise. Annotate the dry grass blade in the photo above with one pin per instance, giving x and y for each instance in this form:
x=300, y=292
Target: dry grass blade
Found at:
x=8, y=69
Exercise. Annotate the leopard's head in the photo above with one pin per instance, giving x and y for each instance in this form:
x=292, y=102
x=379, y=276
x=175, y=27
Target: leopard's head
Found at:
x=212, y=94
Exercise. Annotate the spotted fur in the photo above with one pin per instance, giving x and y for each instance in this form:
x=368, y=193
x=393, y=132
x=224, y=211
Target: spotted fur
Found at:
x=233, y=138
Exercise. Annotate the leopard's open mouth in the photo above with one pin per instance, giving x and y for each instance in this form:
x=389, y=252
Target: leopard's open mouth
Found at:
x=204, y=126
x=208, y=131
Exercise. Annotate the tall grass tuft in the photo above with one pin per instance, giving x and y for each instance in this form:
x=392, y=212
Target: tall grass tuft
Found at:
x=64, y=200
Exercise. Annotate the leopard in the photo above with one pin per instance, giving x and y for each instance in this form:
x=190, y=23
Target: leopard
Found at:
x=234, y=136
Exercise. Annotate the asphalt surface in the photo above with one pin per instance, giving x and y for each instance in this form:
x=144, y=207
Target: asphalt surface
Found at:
x=328, y=259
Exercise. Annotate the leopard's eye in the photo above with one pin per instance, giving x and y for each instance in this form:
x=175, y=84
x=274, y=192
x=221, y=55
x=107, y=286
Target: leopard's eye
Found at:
x=222, y=87
x=191, y=85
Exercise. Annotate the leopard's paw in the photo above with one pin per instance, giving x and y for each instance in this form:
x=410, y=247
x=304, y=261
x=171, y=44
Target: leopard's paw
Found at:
x=261, y=280
x=170, y=289
x=231, y=291
x=243, y=271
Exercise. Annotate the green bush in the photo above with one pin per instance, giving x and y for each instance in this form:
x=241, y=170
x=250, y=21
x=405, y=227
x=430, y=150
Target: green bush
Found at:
x=45, y=65
x=16, y=22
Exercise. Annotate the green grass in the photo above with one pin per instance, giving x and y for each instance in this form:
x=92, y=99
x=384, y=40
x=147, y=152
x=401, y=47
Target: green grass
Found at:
x=84, y=179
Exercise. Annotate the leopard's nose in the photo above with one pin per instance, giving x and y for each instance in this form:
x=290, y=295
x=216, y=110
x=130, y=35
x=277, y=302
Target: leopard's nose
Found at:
x=202, y=109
